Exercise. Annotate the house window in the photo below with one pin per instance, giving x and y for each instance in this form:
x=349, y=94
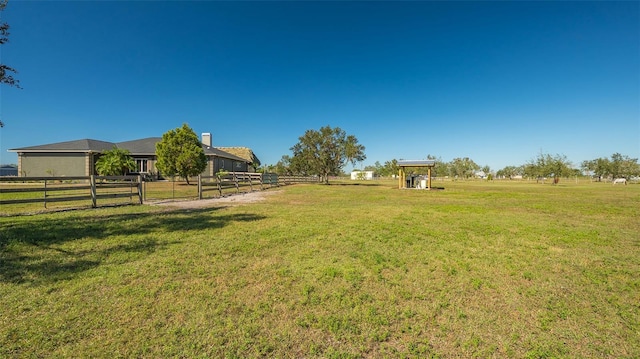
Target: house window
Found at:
x=238, y=165
x=141, y=166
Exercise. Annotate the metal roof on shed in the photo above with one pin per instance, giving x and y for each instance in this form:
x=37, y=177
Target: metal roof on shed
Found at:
x=416, y=163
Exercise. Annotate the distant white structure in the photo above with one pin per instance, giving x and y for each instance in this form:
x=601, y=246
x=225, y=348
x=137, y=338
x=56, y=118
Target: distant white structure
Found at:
x=362, y=175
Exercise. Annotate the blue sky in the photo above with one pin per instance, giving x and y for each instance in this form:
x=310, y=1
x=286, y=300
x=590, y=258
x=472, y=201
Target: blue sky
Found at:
x=499, y=82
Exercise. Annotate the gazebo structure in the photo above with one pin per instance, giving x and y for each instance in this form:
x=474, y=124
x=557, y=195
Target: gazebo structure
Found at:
x=402, y=176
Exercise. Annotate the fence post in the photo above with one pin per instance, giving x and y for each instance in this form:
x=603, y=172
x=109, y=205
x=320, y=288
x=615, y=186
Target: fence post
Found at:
x=94, y=197
x=235, y=180
x=219, y=185
x=140, y=190
x=45, y=193
x=200, y=186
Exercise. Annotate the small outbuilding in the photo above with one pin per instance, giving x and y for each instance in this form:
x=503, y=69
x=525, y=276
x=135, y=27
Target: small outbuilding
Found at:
x=362, y=175
x=404, y=182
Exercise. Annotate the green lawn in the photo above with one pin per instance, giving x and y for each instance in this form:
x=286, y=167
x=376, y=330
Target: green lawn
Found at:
x=342, y=271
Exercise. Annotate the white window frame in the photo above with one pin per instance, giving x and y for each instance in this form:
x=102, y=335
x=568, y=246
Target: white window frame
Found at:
x=142, y=165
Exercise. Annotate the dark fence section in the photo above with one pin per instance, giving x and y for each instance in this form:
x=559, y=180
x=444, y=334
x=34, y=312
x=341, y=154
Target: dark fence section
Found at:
x=236, y=182
x=284, y=180
x=233, y=182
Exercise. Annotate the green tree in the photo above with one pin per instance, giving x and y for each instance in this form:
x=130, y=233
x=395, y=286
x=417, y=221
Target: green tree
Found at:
x=283, y=167
x=389, y=168
x=114, y=162
x=599, y=167
x=510, y=171
x=180, y=153
x=440, y=169
x=299, y=166
x=618, y=166
x=463, y=167
x=546, y=165
x=6, y=71
x=559, y=166
x=325, y=152
x=377, y=168
x=623, y=166
x=444, y=169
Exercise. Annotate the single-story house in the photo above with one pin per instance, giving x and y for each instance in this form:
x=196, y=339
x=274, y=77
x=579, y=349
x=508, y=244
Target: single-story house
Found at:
x=78, y=158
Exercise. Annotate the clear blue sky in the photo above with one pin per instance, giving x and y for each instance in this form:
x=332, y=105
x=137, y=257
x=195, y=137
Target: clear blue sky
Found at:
x=499, y=82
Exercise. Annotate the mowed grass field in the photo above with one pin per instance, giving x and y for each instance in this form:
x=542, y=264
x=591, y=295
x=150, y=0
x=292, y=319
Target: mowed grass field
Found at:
x=349, y=270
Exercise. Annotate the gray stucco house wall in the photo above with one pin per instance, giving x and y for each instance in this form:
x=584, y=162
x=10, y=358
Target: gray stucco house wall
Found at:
x=71, y=158
x=59, y=164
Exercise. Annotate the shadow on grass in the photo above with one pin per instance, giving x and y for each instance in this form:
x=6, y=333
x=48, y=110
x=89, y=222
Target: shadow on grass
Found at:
x=367, y=184
x=33, y=249
x=433, y=188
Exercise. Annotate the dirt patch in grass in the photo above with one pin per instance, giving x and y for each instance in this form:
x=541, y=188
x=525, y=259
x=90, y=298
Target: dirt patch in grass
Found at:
x=230, y=200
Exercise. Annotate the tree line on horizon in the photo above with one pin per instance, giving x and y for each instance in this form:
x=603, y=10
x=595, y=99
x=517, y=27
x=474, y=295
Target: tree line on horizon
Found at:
x=543, y=166
x=325, y=152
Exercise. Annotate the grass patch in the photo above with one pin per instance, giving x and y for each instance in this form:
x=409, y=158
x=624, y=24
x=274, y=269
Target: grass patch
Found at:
x=339, y=271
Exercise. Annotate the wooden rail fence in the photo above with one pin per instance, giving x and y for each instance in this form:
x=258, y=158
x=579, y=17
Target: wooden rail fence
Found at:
x=24, y=190
x=68, y=189
x=246, y=181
